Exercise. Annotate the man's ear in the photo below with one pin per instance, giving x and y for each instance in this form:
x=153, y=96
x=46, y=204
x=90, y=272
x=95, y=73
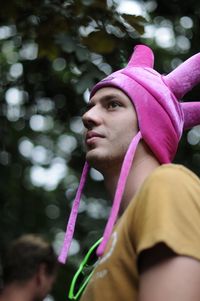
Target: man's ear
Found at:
x=41, y=274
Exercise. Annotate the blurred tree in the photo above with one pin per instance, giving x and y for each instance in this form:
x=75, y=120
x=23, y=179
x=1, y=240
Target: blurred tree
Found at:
x=52, y=52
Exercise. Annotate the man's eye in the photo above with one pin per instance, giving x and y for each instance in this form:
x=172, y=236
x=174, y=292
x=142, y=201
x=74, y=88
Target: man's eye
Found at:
x=113, y=105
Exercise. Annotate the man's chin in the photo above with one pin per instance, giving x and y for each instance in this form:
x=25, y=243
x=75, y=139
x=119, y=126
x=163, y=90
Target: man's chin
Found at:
x=100, y=161
x=92, y=157
x=95, y=159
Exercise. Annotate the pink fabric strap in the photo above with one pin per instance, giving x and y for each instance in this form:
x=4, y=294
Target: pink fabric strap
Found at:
x=73, y=215
x=126, y=166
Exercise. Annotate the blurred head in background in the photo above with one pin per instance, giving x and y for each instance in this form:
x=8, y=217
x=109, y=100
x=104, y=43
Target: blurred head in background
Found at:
x=29, y=269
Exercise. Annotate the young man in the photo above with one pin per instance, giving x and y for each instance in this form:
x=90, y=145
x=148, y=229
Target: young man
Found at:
x=29, y=269
x=151, y=245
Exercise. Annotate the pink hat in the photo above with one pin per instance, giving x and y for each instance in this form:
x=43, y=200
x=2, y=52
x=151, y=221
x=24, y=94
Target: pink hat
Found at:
x=161, y=120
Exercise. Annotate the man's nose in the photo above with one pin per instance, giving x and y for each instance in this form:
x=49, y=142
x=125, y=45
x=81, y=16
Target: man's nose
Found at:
x=92, y=117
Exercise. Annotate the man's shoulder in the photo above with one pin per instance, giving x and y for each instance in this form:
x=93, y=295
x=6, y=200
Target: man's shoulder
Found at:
x=168, y=184
x=171, y=179
x=172, y=173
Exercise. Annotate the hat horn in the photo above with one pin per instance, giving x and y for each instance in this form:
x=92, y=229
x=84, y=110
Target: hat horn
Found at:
x=191, y=111
x=142, y=57
x=184, y=77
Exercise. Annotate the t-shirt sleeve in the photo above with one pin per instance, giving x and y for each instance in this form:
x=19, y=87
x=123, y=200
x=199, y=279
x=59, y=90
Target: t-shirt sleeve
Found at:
x=168, y=211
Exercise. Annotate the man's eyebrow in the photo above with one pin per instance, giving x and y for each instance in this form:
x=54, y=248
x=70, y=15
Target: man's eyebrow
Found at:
x=105, y=98
x=111, y=96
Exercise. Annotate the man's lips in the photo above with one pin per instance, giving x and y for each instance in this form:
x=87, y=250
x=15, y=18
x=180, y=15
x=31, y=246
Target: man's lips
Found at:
x=91, y=135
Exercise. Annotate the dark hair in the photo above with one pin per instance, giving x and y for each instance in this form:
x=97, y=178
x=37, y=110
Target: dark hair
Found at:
x=24, y=256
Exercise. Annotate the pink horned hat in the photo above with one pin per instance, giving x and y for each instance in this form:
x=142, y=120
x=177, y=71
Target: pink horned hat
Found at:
x=161, y=119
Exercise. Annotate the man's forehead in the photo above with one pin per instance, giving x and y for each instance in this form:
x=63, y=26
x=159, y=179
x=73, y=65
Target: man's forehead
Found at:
x=107, y=93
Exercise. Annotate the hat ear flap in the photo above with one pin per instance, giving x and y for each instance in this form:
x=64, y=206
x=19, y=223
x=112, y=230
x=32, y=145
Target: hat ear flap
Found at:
x=184, y=77
x=142, y=57
x=73, y=215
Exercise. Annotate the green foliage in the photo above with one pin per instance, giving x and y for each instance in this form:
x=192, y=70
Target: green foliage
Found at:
x=52, y=51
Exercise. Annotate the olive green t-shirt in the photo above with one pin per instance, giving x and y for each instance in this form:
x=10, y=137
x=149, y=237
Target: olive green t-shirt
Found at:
x=166, y=209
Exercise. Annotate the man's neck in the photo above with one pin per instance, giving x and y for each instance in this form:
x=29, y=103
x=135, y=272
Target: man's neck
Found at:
x=143, y=165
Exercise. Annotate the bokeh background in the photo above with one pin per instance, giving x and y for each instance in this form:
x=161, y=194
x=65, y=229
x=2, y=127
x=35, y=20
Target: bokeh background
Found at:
x=52, y=52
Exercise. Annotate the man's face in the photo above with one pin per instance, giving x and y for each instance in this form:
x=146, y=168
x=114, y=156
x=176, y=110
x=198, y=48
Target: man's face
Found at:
x=111, y=124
